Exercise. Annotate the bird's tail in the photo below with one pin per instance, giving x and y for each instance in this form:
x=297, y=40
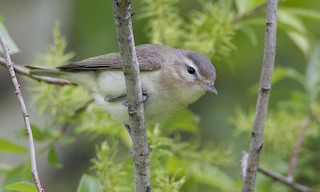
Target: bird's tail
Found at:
x=45, y=71
x=86, y=79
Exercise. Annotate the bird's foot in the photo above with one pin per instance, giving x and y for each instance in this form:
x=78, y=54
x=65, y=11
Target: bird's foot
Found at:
x=144, y=98
x=131, y=152
x=111, y=99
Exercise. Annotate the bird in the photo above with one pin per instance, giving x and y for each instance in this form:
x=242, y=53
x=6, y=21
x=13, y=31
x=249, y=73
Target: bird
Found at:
x=171, y=79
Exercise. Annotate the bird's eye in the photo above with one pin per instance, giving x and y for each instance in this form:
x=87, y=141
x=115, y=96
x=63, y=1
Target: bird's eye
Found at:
x=191, y=70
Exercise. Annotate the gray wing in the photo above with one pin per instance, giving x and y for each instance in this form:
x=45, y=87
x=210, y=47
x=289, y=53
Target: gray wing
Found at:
x=149, y=58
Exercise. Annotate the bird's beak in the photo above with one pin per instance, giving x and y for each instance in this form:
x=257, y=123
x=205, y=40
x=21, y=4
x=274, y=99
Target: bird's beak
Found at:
x=210, y=87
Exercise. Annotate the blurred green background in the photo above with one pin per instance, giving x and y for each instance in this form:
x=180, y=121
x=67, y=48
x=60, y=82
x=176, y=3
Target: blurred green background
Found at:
x=89, y=30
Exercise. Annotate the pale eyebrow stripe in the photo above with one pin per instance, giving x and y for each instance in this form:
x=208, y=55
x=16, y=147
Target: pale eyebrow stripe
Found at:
x=190, y=63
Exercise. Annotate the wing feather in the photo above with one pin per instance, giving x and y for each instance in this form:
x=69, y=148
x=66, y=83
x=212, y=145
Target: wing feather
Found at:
x=149, y=58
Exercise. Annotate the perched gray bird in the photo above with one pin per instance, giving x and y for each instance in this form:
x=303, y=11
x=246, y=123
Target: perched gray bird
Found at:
x=171, y=79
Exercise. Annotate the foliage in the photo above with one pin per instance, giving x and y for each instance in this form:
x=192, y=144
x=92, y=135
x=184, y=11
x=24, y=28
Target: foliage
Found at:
x=22, y=187
x=181, y=159
x=108, y=171
x=209, y=31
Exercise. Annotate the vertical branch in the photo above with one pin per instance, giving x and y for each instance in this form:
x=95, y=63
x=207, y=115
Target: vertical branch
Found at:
x=263, y=98
x=25, y=114
x=122, y=17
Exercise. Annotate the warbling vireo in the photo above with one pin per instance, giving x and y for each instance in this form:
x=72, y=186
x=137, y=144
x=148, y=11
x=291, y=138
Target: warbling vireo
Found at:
x=171, y=80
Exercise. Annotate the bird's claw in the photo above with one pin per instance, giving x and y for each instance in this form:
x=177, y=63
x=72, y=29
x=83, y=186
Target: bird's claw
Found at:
x=131, y=152
x=144, y=98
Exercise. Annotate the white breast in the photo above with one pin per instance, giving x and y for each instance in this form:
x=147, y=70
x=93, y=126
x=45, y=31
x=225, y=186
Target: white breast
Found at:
x=112, y=84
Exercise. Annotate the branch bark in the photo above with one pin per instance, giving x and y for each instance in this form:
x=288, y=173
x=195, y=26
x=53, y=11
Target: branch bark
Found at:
x=25, y=114
x=122, y=18
x=263, y=97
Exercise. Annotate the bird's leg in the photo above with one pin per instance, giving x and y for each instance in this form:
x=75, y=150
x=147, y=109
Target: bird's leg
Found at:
x=131, y=152
x=144, y=98
x=129, y=131
x=111, y=99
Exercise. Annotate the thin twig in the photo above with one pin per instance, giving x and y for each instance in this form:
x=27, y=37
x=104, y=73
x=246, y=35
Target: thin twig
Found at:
x=284, y=180
x=122, y=18
x=297, y=147
x=253, y=11
x=25, y=114
x=256, y=10
x=263, y=97
x=24, y=71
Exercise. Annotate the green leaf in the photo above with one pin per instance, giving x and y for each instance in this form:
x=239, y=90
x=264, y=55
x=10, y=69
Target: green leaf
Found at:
x=22, y=186
x=53, y=158
x=243, y=5
x=66, y=140
x=18, y=173
x=307, y=13
x=313, y=73
x=11, y=45
x=211, y=175
x=37, y=133
x=5, y=168
x=301, y=41
x=295, y=29
x=9, y=147
x=279, y=74
x=184, y=121
x=290, y=22
x=89, y=183
x=286, y=72
x=250, y=33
